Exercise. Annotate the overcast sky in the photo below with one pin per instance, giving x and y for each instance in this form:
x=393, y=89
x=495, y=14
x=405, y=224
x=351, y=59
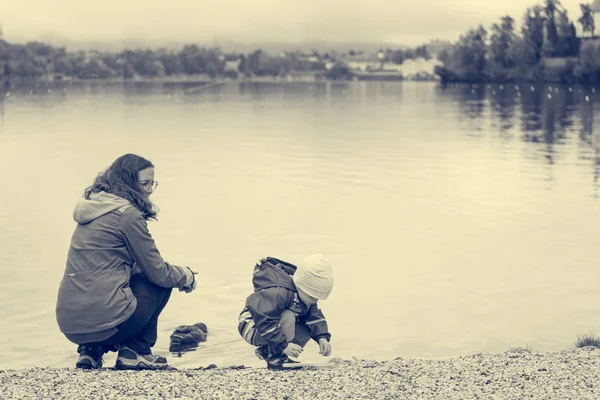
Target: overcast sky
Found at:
x=410, y=22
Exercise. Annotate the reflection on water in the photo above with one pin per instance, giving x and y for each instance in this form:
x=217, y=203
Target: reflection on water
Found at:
x=470, y=211
x=545, y=116
x=549, y=117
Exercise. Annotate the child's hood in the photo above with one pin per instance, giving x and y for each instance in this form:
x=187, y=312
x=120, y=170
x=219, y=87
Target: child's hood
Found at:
x=272, y=272
x=98, y=204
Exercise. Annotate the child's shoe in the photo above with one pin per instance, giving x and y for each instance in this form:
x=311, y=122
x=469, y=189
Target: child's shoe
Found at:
x=90, y=357
x=262, y=352
x=129, y=359
x=276, y=362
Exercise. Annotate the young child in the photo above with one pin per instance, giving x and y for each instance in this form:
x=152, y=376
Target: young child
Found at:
x=281, y=316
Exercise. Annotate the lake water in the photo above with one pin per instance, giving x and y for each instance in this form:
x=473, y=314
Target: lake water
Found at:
x=459, y=220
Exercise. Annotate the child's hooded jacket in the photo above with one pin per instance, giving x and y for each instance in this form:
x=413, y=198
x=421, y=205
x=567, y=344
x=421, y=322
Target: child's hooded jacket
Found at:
x=274, y=292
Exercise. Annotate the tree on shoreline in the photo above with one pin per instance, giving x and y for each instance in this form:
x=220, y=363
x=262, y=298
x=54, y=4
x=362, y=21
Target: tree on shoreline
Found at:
x=533, y=34
x=568, y=43
x=551, y=34
x=470, y=54
x=587, y=19
x=546, y=48
x=502, y=42
x=36, y=60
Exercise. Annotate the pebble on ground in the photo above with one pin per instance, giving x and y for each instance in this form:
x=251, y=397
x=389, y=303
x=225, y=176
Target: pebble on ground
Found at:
x=568, y=374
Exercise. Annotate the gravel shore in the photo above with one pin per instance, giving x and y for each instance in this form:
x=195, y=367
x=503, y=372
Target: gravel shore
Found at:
x=568, y=374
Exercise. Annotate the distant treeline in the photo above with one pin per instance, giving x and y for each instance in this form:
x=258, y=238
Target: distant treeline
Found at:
x=547, y=48
x=35, y=60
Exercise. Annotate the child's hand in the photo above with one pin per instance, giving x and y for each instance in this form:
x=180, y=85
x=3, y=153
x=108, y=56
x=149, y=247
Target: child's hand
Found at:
x=324, y=347
x=292, y=350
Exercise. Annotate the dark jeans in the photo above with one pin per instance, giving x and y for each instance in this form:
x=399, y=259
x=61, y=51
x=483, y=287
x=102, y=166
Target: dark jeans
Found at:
x=140, y=331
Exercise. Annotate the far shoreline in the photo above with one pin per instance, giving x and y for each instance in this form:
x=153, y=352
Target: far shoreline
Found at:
x=205, y=79
x=215, y=80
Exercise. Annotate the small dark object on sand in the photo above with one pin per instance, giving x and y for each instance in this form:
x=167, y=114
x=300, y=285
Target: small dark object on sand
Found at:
x=187, y=337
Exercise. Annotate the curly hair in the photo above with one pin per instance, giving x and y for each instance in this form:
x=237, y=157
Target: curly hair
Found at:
x=121, y=179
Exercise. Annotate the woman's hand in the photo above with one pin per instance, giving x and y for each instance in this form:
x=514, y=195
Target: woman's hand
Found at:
x=324, y=347
x=190, y=287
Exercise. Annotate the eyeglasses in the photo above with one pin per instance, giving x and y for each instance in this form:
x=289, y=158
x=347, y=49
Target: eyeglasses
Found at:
x=149, y=185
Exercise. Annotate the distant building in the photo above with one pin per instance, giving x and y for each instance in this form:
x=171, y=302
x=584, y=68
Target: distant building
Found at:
x=359, y=57
x=419, y=68
x=362, y=65
x=309, y=58
x=232, y=65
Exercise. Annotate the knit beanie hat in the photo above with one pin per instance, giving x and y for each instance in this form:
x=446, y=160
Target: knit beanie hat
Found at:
x=314, y=276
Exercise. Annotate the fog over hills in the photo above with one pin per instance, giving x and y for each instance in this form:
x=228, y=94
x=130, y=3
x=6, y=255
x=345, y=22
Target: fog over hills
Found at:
x=225, y=45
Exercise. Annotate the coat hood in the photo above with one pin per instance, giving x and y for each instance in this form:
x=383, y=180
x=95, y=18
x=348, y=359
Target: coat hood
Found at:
x=99, y=204
x=271, y=272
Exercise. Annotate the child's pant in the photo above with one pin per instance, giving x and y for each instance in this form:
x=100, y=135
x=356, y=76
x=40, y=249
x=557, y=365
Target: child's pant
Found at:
x=294, y=331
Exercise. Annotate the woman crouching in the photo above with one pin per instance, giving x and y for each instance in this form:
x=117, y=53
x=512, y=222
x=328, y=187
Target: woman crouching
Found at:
x=116, y=283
